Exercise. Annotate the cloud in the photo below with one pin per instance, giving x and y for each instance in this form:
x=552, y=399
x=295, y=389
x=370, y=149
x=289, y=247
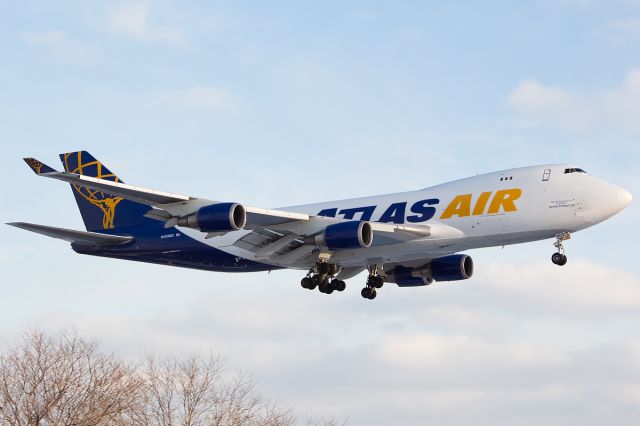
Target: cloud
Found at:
x=582, y=287
x=429, y=350
x=541, y=104
x=626, y=26
x=62, y=46
x=131, y=19
x=210, y=97
x=606, y=109
x=630, y=394
x=634, y=350
x=6, y=257
x=623, y=104
x=533, y=96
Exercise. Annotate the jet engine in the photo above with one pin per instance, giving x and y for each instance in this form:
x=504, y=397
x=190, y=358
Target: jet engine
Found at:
x=220, y=217
x=448, y=268
x=452, y=268
x=346, y=235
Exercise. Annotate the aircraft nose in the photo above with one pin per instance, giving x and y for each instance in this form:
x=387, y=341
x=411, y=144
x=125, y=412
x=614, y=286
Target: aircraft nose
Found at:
x=624, y=198
x=606, y=199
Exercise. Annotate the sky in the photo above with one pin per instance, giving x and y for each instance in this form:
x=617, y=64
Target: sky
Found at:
x=283, y=103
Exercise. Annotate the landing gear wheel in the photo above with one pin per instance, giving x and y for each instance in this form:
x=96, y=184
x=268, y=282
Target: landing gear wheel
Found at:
x=377, y=282
x=316, y=281
x=323, y=277
x=339, y=285
x=368, y=293
x=326, y=287
x=559, y=259
x=306, y=283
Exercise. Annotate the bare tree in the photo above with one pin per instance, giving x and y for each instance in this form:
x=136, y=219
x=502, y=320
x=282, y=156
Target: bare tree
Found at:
x=322, y=421
x=64, y=380
x=196, y=391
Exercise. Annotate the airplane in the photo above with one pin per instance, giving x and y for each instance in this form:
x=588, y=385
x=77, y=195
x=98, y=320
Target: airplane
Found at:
x=409, y=238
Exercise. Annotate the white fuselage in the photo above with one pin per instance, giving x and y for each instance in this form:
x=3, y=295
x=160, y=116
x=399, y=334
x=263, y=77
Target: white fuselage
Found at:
x=507, y=207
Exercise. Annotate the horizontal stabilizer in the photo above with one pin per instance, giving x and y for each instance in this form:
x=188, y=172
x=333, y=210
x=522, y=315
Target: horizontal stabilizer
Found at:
x=75, y=237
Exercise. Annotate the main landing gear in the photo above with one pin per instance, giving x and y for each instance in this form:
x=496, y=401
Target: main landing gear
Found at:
x=322, y=276
x=559, y=258
x=374, y=281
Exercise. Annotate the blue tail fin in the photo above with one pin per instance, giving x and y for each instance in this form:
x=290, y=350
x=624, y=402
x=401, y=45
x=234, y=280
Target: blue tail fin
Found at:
x=101, y=212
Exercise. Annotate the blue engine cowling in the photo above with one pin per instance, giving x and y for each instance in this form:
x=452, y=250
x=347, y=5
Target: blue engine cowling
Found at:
x=404, y=278
x=452, y=268
x=220, y=217
x=347, y=235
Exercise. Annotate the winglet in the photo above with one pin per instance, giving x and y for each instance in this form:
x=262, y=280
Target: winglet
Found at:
x=38, y=166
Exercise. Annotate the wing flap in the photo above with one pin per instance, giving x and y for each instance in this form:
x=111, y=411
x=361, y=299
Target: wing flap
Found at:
x=73, y=236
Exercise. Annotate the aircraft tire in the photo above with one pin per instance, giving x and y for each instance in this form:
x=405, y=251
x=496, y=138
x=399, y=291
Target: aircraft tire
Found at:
x=559, y=259
x=306, y=283
x=325, y=287
x=368, y=293
x=378, y=282
x=316, y=281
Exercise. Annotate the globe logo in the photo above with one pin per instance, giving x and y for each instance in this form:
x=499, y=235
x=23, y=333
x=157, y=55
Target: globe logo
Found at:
x=105, y=202
x=34, y=164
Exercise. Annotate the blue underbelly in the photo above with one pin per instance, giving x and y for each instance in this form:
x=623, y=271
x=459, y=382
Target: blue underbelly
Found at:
x=151, y=245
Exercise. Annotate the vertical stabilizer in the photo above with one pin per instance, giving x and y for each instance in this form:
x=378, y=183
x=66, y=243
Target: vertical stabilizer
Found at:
x=101, y=212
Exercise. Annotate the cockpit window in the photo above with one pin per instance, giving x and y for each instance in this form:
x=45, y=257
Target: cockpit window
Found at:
x=574, y=170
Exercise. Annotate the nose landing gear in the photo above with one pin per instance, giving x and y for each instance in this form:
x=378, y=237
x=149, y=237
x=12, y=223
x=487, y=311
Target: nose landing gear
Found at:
x=560, y=258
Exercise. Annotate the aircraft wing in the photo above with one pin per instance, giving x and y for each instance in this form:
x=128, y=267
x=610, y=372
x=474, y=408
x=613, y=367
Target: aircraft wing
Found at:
x=285, y=236
x=165, y=205
x=129, y=192
x=72, y=236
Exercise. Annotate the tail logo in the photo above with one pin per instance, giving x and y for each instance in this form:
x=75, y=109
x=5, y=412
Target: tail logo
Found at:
x=34, y=164
x=105, y=202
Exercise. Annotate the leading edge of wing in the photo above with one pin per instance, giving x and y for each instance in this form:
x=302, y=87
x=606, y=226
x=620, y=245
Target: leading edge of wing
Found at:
x=174, y=205
x=140, y=195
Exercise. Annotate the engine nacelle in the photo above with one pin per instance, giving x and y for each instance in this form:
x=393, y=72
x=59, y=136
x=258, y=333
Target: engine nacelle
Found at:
x=221, y=217
x=346, y=235
x=404, y=277
x=452, y=268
